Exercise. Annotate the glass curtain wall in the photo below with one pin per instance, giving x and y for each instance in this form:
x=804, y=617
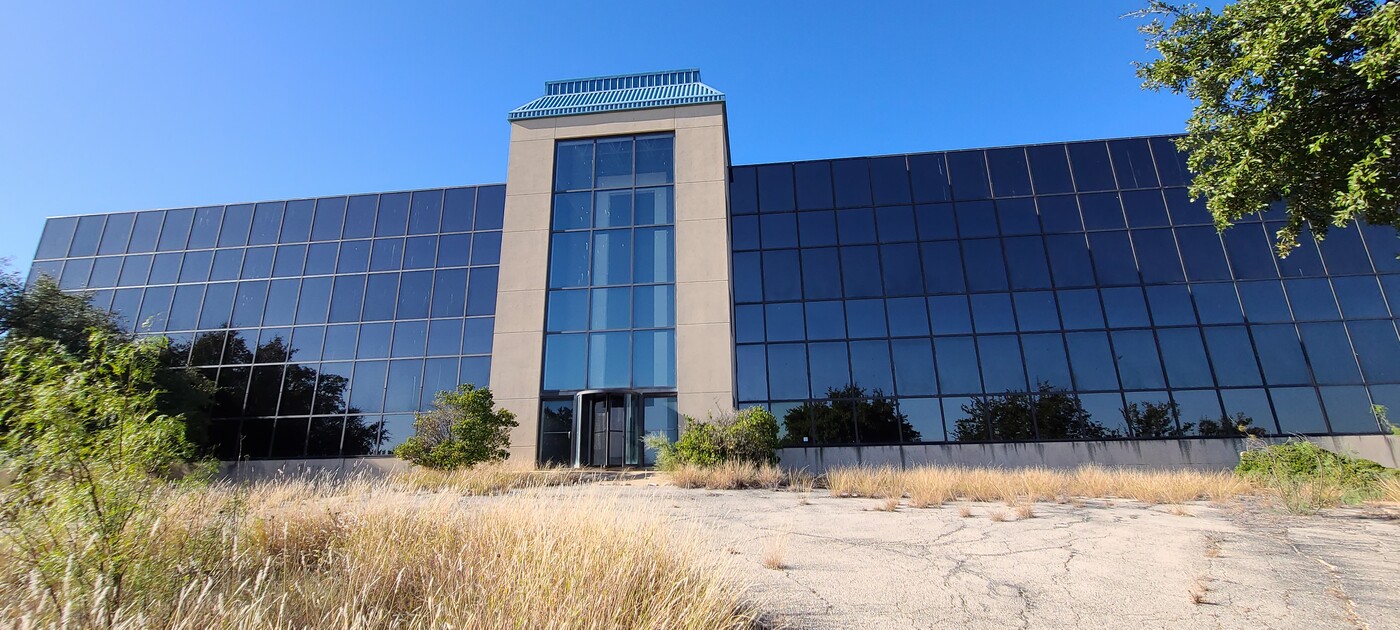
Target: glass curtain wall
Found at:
x=1063, y=291
x=324, y=322
x=610, y=315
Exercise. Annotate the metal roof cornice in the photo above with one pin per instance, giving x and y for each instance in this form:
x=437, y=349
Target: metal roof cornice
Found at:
x=619, y=92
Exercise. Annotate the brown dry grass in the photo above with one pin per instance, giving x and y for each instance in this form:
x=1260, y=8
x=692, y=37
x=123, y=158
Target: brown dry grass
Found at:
x=367, y=554
x=1388, y=489
x=933, y=486
x=737, y=475
x=1025, y=511
x=775, y=552
x=997, y=516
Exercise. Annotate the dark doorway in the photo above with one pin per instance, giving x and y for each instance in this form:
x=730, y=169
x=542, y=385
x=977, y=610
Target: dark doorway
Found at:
x=607, y=428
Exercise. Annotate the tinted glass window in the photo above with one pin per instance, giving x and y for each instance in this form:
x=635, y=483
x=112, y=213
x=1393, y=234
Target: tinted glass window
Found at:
x=267, y=221
x=860, y=272
x=976, y=219
x=821, y=273
x=1008, y=170
x=943, y=272
x=813, y=185
x=1156, y=253
x=1171, y=305
x=1046, y=362
x=1092, y=361
x=775, y=188
x=866, y=318
x=146, y=232
x=1090, y=162
x=1060, y=214
x=1376, y=346
x=1001, y=363
x=908, y=317
x=1264, y=302
x=1330, y=353
x=895, y=223
x=1138, y=364
x=957, y=366
x=814, y=228
x=573, y=165
x=1281, y=355
x=237, y=221
x=296, y=221
x=900, y=269
x=1050, y=169
x=1250, y=255
x=1103, y=211
x=1018, y=216
x=359, y=216
x=1132, y=163
x=1343, y=251
x=1298, y=410
x=1217, y=303
x=826, y=320
x=889, y=177
x=1145, y=208
x=856, y=226
x=1312, y=299
x=1125, y=307
x=1036, y=310
x=928, y=174
x=457, y=209
x=852, y=178
x=992, y=313
x=1069, y=260
x=481, y=291
x=779, y=230
x=1113, y=258
x=86, y=235
x=115, y=234
x=936, y=221
x=613, y=163
x=353, y=257
x=1080, y=309
x=330, y=215
x=967, y=171
x=787, y=371
x=1025, y=257
x=986, y=270
x=314, y=300
x=870, y=366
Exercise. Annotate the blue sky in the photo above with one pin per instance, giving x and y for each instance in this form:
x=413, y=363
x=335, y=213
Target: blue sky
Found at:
x=110, y=106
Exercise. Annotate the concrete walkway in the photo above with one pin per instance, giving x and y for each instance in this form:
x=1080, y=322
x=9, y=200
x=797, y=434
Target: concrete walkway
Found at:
x=1097, y=565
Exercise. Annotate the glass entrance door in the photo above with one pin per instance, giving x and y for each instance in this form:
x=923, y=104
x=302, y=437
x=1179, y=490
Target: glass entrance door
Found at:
x=608, y=428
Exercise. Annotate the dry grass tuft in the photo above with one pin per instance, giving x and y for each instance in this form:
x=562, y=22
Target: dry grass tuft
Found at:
x=1388, y=489
x=964, y=511
x=775, y=551
x=739, y=475
x=997, y=516
x=935, y=485
x=367, y=554
x=1197, y=593
x=890, y=504
x=1179, y=510
x=491, y=479
x=1025, y=511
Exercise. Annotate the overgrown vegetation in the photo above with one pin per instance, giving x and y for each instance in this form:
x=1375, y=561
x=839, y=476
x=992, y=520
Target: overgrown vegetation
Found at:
x=463, y=429
x=87, y=450
x=365, y=554
x=1307, y=478
x=750, y=436
x=931, y=486
x=41, y=311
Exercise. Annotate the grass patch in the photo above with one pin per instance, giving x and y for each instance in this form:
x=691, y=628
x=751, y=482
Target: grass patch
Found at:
x=1307, y=478
x=934, y=486
x=357, y=553
x=734, y=475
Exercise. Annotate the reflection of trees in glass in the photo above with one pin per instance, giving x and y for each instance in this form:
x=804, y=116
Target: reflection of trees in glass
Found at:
x=1149, y=419
x=848, y=415
x=1238, y=426
x=302, y=389
x=1057, y=413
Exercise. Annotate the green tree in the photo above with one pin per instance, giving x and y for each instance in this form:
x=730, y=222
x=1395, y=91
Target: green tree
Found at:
x=1227, y=426
x=43, y=311
x=87, y=448
x=463, y=429
x=1295, y=100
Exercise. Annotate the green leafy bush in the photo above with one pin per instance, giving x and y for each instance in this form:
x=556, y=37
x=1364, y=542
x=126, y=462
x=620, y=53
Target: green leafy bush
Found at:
x=86, y=449
x=750, y=435
x=463, y=429
x=1309, y=477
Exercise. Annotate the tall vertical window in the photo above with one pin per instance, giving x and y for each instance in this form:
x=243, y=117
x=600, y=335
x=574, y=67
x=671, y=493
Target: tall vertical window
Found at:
x=610, y=317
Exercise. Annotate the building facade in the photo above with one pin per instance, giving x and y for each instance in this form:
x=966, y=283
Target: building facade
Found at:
x=626, y=276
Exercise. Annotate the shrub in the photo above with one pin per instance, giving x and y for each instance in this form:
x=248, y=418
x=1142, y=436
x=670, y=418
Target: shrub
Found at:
x=1308, y=477
x=463, y=429
x=86, y=449
x=750, y=436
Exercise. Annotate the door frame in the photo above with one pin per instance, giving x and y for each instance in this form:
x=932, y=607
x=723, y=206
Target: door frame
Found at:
x=634, y=412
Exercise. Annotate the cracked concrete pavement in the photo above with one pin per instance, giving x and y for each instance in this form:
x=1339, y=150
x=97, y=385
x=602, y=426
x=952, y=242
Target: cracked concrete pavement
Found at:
x=1101, y=564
